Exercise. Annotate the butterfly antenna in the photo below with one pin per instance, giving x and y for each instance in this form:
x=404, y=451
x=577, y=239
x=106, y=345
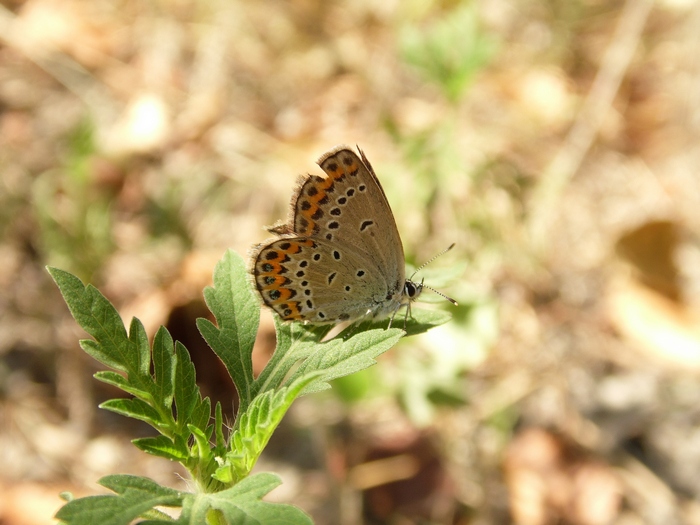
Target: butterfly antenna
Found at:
x=426, y=263
x=440, y=294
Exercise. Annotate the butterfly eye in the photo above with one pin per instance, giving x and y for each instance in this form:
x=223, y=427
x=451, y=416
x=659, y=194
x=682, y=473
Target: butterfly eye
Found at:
x=411, y=289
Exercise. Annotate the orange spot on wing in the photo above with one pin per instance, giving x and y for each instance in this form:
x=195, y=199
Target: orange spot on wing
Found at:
x=276, y=268
x=332, y=178
x=293, y=248
x=285, y=295
x=280, y=280
x=280, y=257
x=295, y=314
x=308, y=213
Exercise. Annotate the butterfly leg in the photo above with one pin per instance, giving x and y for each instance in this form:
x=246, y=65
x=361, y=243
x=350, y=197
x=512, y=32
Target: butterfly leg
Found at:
x=391, y=319
x=408, y=314
x=405, y=319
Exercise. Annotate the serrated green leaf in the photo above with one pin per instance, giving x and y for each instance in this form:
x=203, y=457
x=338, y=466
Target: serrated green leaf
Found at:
x=138, y=336
x=113, y=378
x=201, y=440
x=130, y=354
x=164, y=362
x=338, y=357
x=104, y=356
x=134, y=408
x=295, y=342
x=159, y=522
x=242, y=503
x=162, y=446
x=94, y=313
x=423, y=320
x=186, y=391
x=219, y=428
x=254, y=428
x=113, y=347
x=237, y=313
x=201, y=416
x=155, y=517
x=118, y=380
x=134, y=497
x=107, y=510
x=124, y=483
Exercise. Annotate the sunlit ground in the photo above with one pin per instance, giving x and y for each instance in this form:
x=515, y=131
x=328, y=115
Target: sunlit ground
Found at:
x=557, y=144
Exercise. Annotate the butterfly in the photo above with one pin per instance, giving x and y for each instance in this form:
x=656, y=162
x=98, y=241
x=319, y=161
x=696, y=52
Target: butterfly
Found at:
x=339, y=257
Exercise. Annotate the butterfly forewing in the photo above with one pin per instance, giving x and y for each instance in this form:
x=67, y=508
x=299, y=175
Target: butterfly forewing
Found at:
x=349, y=208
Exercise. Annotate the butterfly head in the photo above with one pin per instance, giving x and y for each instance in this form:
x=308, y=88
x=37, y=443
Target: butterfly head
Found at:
x=412, y=290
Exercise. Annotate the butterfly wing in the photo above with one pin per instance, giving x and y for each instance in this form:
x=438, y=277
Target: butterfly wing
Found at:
x=304, y=279
x=340, y=256
x=349, y=208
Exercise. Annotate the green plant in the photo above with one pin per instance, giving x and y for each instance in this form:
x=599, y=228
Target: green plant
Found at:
x=450, y=51
x=72, y=209
x=161, y=381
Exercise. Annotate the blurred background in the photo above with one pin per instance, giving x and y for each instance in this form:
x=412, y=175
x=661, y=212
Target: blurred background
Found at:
x=556, y=142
